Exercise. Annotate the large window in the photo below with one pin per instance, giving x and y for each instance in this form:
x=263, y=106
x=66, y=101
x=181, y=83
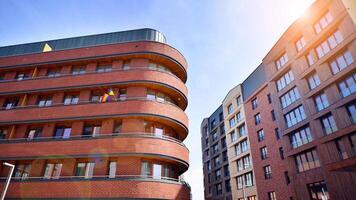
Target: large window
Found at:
x=85, y=169
x=242, y=130
x=254, y=103
x=241, y=147
x=321, y=101
x=243, y=163
x=71, y=99
x=300, y=43
x=53, y=170
x=290, y=97
x=351, y=109
x=323, y=22
x=62, y=132
x=295, y=116
x=285, y=80
x=239, y=100
x=313, y=81
x=307, y=160
x=310, y=59
x=218, y=174
x=245, y=180
x=233, y=135
x=232, y=122
x=348, y=85
x=341, y=62
x=281, y=61
x=264, y=153
x=22, y=171
x=335, y=39
x=318, y=191
x=300, y=137
x=328, y=123
x=261, y=135
x=267, y=172
x=146, y=168
x=238, y=116
x=230, y=108
x=257, y=118
x=45, y=101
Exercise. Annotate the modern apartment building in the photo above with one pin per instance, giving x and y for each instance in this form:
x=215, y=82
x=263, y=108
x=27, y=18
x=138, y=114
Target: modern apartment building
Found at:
x=99, y=116
x=215, y=158
x=237, y=139
x=300, y=109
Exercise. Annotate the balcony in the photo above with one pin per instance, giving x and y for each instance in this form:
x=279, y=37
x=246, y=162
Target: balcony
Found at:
x=134, y=186
x=103, y=145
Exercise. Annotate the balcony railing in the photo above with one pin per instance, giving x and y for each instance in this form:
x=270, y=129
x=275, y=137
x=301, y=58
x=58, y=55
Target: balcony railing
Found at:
x=86, y=137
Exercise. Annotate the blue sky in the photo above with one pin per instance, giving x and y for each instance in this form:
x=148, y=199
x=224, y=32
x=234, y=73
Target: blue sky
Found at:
x=222, y=40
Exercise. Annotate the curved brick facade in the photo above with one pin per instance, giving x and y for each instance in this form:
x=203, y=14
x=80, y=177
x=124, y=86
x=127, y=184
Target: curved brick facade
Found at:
x=66, y=141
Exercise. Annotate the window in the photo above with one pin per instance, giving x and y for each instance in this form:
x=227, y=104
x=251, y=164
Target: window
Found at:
x=328, y=123
x=117, y=127
x=160, y=97
x=53, y=170
x=22, y=171
x=300, y=43
x=112, y=169
x=341, y=149
x=218, y=189
x=104, y=68
x=261, y=135
x=264, y=153
x=45, y=101
x=166, y=171
x=91, y=130
x=300, y=137
x=310, y=59
x=34, y=133
x=245, y=180
x=321, y=101
x=62, y=132
x=295, y=116
x=53, y=73
x=223, y=142
x=257, y=118
x=351, y=110
x=254, y=104
x=272, y=196
x=268, y=172
x=242, y=130
x=313, y=81
x=233, y=136
x=281, y=61
x=341, y=62
x=11, y=103
x=22, y=76
x=71, y=99
x=241, y=147
x=273, y=115
x=155, y=66
x=213, y=124
x=221, y=117
x=224, y=155
x=281, y=153
x=238, y=117
x=3, y=133
x=122, y=94
x=269, y=98
x=232, y=122
x=348, y=85
x=146, y=168
x=215, y=148
x=323, y=22
x=216, y=161
x=243, y=163
x=208, y=165
x=318, y=191
x=307, y=160
x=96, y=97
x=215, y=135
x=352, y=139
x=239, y=100
x=227, y=186
x=285, y=80
x=126, y=65
x=217, y=174
x=286, y=177
x=290, y=97
x=329, y=44
x=78, y=70
x=277, y=133
x=229, y=109
x=157, y=171
x=85, y=170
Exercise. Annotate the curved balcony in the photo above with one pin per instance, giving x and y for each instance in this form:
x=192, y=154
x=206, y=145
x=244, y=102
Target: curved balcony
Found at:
x=131, y=144
x=160, y=51
x=99, y=187
x=128, y=108
x=167, y=81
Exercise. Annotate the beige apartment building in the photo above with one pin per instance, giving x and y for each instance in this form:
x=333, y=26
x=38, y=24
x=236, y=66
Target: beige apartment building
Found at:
x=238, y=146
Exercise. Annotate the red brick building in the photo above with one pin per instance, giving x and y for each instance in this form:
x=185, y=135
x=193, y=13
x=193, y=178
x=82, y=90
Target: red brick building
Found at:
x=98, y=116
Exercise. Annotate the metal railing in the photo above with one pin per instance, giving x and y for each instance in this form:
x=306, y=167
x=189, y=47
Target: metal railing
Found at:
x=100, y=136
x=100, y=177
